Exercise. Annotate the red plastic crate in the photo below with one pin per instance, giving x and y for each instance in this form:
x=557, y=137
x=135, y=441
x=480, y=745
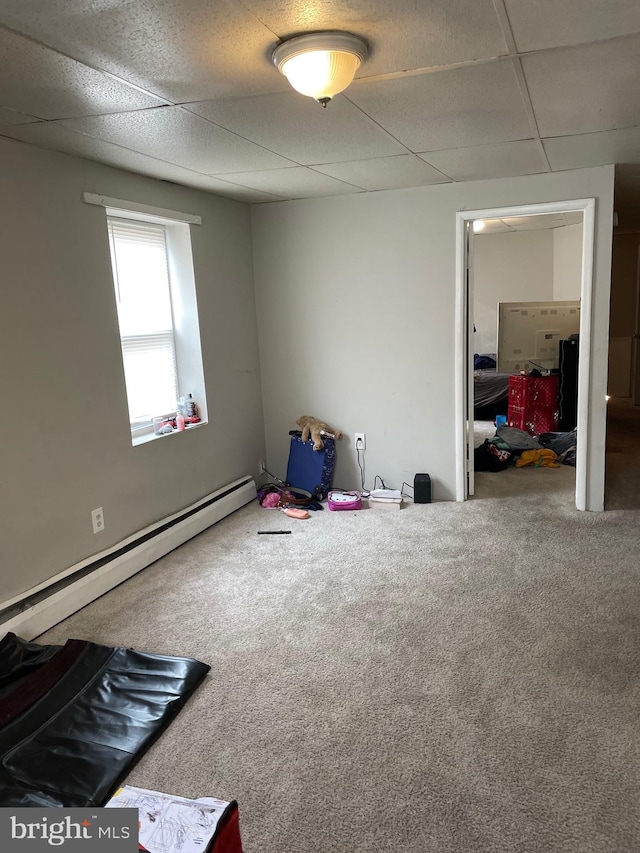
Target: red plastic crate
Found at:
x=526, y=391
x=533, y=403
x=534, y=422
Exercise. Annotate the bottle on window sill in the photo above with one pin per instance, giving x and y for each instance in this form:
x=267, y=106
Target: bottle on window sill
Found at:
x=191, y=409
x=179, y=421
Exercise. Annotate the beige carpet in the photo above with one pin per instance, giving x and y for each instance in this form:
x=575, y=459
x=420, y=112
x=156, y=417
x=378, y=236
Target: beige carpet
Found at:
x=448, y=678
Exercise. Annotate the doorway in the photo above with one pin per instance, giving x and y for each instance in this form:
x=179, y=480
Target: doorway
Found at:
x=465, y=333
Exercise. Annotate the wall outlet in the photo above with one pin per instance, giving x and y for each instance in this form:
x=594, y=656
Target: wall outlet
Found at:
x=360, y=441
x=97, y=519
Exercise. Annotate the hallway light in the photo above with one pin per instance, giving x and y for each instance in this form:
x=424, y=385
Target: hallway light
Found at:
x=478, y=225
x=320, y=65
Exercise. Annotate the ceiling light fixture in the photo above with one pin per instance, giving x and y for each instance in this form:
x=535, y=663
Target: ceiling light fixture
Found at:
x=478, y=225
x=320, y=65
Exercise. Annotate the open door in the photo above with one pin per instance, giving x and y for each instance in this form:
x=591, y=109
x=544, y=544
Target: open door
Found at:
x=589, y=452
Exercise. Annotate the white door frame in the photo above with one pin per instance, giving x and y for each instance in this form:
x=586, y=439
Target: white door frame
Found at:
x=587, y=207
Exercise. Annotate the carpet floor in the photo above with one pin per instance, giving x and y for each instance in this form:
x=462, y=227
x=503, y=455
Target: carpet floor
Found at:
x=455, y=678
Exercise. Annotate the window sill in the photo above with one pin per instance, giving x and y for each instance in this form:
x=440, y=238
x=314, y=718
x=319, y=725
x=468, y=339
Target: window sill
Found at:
x=150, y=436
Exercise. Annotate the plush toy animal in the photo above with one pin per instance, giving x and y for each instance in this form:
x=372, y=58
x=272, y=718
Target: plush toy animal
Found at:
x=311, y=426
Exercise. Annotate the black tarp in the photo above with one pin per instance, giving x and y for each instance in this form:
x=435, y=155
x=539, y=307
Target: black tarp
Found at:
x=74, y=719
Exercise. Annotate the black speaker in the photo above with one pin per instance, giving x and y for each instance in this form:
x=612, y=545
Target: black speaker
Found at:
x=422, y=489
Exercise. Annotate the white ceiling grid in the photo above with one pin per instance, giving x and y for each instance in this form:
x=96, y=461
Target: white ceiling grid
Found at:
x=454, y=90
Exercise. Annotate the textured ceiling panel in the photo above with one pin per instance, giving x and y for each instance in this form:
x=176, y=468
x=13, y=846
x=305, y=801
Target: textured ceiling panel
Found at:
x=384, y=173
x=467, y=106
x=402, y=33
x=565, y=85
x=593, y=149
x=551, y=23
x=111, y=70
x=501, y=160
x=297, y=182
x=9, y=117
x=58, y=138
x=43, y=83
x=229, y=190
x=184, y=50
x=299, y=128
x=179, y=137
x=528, y=223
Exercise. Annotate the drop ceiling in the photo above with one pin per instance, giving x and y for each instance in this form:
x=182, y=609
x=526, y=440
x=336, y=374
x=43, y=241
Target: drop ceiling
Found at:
x=454, y=90
x=541, y=222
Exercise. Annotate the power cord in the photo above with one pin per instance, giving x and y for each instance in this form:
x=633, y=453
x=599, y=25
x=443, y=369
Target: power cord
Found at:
x=274, y=478
x=361, y=465
x=383, y=485
x=404, y=493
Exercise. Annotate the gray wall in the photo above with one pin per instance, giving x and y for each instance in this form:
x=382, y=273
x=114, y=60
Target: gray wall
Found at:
x=514, y=266
x=567, y=262
x=522, y=266
x=356, y=315
x=66, y=445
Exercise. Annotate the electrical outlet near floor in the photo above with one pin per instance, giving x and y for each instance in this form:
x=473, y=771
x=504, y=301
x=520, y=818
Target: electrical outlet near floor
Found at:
x=360, y=441
x=97, y=519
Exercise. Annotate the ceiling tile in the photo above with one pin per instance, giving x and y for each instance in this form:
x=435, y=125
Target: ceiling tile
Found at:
x=585, y=89
x=298, y=128
x=501, y=160
x=532, y=222
x=593, y=149
x=183, y=50
x=229, y=190
x=297, y=182
x=492, y=226
x=535, y=223
x=179, y=137
x=46, y=84
x=474, y=105
x=385, y=173
x=9, y=117
x=402, y=34
x=548, y=23
x=57, y=138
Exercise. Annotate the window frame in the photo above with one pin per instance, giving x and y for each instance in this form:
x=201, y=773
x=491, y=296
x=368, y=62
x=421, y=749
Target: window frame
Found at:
x=184, y=302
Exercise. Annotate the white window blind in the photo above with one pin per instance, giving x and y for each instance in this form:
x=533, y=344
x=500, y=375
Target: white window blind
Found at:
x=143, y=297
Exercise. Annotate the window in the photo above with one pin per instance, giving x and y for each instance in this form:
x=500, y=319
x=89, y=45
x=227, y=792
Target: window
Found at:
x=145, y=314
x=155, y=293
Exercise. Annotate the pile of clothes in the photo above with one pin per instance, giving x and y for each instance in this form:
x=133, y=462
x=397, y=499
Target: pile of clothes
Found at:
x=516, y=447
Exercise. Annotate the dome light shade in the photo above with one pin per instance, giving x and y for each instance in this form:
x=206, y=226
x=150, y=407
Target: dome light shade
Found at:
x=320, y=65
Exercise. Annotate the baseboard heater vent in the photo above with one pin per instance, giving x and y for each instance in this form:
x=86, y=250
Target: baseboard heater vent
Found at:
x=44, y=606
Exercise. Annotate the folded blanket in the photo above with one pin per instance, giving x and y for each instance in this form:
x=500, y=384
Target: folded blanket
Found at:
x=544, y=458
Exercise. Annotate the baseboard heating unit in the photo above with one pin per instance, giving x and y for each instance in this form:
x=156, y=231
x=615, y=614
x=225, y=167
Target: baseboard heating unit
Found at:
x=43, y=606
